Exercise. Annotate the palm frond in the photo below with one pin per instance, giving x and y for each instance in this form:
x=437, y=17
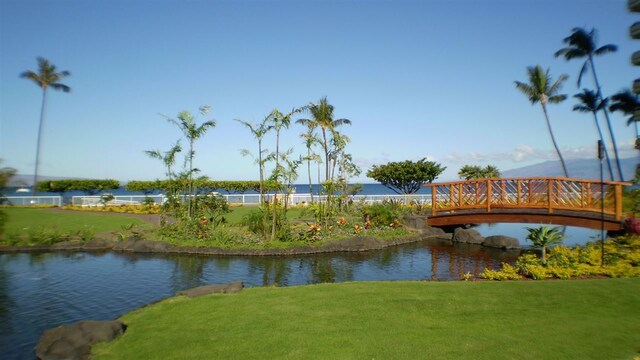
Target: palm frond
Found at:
x=609, y=48
x=583, y=70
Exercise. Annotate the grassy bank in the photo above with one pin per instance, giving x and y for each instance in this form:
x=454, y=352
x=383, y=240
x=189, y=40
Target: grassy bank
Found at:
x=39, y=225
x=589, y=319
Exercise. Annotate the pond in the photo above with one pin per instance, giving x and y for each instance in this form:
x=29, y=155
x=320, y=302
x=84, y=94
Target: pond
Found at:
x=41, y=291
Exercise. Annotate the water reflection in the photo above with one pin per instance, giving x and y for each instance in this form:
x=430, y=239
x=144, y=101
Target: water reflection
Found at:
x=40, y=291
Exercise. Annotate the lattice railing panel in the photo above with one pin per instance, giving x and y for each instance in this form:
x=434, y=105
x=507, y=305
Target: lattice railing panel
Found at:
x=549, y=193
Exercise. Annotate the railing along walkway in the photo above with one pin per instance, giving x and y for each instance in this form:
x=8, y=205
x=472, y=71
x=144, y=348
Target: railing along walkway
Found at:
x=548, y=194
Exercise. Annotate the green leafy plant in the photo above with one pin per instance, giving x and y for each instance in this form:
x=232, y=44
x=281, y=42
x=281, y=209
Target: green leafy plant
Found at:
x=406, y=177
x=544, y=236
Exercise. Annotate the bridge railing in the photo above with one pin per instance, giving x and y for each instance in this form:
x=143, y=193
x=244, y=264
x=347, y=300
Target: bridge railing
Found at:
x=529, y=193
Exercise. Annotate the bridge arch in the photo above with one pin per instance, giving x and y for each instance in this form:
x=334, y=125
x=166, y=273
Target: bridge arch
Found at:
x=545, y=200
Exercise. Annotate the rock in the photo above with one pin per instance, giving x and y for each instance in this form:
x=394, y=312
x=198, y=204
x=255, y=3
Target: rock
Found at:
x=502, y=242
x=68, y=245
x=97, y=244
x=230, y=288
x=467, y=236
x=416, y=221
x=74, y=341
x=430, y=231
x=136, y=244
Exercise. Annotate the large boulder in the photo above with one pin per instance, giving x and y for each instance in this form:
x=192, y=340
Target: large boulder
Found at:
x=230, y=288
x=430, y=231
x=416, y=221
x=74, y=341
x=135, y=244
x=502, y=242
x=467, y=236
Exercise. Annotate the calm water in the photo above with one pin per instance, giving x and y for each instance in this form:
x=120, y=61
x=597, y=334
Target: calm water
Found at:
x=40, y=291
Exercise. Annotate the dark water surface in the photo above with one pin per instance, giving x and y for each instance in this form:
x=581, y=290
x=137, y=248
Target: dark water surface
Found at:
x=41, y=291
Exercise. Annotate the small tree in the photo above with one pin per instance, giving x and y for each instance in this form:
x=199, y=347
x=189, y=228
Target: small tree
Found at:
x=192, y=132
x=470, y=172
x=406, y=177
x=545, y=236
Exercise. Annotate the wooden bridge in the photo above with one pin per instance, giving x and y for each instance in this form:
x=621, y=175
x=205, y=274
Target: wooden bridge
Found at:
x=560, y=201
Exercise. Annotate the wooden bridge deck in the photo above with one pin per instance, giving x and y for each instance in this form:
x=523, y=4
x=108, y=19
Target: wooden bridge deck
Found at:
x=561, y=201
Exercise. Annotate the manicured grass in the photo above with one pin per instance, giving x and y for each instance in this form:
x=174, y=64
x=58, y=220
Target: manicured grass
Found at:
x=584, y=319
x=22, y=220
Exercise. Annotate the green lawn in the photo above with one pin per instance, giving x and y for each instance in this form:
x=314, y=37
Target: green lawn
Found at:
x=584, y=319
x=22, y=220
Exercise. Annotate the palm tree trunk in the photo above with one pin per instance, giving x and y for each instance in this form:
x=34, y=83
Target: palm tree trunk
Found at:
x=261, y=172
x=35, y=172
x=309, y=172
x=606, y=152
x=544, y=255
x=553, y=139
x=326, y=154
x=189, y=209
x=606, y=115
x=275, y=199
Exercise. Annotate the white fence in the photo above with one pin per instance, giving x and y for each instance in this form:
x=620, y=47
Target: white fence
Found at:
x=34, y=200
x=240, y=199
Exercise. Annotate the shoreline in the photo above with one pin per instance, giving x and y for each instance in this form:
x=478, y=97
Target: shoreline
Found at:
x=136, y=245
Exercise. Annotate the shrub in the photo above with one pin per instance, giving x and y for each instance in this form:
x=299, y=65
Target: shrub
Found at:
x=385, y=214
x=507, y=272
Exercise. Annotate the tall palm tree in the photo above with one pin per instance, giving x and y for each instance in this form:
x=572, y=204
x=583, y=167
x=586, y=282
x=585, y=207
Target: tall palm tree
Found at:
x=322, y=117
x=279, y=121
x=310, y=139
x=590, y=102
x=187, y=124
x=541, y=88
x=582, y=44
x=45, y=78
x=626, y=102
x=259, y=131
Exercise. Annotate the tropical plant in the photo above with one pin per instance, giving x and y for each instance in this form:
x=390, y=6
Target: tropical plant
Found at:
x=279, y=121
x=581, y=44
x=541, y=88
x=45, y=78
x=310, y=138
x=5, y=175
x=590, y=102
x=258, y=131
x=169, y=160
x=626, y=102
x=322, y=117
x=470, y=172
x=406, y=177
x=544, y=236
x=192, y=132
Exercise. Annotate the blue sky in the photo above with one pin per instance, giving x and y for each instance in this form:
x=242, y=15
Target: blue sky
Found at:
x=416, y=78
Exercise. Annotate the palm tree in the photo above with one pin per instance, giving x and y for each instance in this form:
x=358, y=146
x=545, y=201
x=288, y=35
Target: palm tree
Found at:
x=582, y=44
x=279, y=121
x=45, y=78
x=192, y=131
x=544, y=236
x=322, y=117
x=310, y=139
x=541, y=88
x=590, y=102
x=259, y=131
x=626, y=102
x=168, y=159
